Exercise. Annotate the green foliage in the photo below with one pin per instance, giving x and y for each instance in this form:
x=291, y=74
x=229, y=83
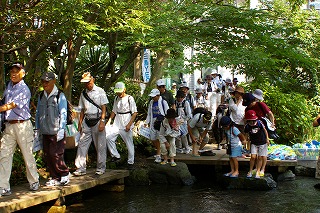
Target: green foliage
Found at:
x=293, y=112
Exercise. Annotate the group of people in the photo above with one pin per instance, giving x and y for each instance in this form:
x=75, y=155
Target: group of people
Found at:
x=242, y=120
x=50, y=123
x=175, y=121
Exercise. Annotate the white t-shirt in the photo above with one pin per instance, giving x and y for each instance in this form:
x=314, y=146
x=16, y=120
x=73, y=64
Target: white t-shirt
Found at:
x=98, y=95
x=123, y=108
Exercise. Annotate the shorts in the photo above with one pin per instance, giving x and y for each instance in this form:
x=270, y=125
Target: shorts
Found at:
x=260, y=150
x=154, y=134
x=236, y=151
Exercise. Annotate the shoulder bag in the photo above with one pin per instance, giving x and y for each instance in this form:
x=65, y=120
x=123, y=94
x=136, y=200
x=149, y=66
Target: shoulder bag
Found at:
x=92, y=121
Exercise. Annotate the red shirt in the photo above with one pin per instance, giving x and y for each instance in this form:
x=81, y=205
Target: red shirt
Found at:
x=260, y=108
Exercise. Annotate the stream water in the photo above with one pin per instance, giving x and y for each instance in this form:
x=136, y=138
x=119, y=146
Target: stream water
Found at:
x=204, y=196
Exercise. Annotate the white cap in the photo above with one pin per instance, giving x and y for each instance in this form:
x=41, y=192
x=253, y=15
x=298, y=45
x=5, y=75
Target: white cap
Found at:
x=154, y=93
x=161, y=82
x=119, y=87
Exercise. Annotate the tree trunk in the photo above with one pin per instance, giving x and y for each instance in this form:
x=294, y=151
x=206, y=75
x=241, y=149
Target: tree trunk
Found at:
x=160, y=63
x=135, y=51
x=2, y=71
x=73, y=51
x=137, y=67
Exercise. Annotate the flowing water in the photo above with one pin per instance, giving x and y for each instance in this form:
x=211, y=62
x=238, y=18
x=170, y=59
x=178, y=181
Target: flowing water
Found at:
x=290, y=196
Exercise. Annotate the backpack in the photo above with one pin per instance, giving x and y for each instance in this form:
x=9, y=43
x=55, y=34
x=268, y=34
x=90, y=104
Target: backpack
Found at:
x=182, y=106
x=200, y=110
x=69, y=107
x=157, y=123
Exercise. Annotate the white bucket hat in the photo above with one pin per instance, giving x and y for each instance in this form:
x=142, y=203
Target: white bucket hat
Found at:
x=258, y=94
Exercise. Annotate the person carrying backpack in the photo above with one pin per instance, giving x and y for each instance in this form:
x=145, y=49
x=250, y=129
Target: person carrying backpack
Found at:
x=235, y=138
x=184, y=112
x=259, y=143
x=124, y=112
x=169, y=131
x=198, y=127
x=51, y=120
x=156, y=111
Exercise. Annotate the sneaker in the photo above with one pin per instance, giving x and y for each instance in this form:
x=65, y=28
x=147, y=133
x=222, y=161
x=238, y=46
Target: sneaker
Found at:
x=99, y=173
x=179, y=150
x=261, y=173
x=164, y=162
x=114, y=159
x=5, y=192
x=249, y=175
x=34, y=186
x=53, y=182
x=187, y=151
x=130, y=166
x=65, y=179
x=257, y=176
x=173, y=164
x=158, y=159
x=79, y=173
x=254, y=172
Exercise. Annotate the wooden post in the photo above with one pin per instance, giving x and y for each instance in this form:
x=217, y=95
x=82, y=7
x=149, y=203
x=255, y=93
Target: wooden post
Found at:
x=318, y=169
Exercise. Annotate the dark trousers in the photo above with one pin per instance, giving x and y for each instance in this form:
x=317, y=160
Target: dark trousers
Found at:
x=54, y=156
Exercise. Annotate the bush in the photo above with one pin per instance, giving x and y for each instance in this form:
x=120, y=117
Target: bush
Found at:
x=293, y=113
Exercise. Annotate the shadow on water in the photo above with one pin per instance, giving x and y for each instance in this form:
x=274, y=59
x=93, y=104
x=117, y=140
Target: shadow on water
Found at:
x=204, y=196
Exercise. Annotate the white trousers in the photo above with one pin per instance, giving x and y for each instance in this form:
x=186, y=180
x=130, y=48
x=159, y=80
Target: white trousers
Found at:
x=88, y=135
x=21, y=134
x=172, y=148
x=127, y=137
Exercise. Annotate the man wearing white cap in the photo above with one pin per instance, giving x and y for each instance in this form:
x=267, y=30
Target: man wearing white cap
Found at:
x=157, y=108
x=93, y=104
x=124, y=112
x=165, y=94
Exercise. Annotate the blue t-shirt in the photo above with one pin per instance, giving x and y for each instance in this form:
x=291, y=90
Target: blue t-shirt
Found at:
x=232, y=135
x=155, y=109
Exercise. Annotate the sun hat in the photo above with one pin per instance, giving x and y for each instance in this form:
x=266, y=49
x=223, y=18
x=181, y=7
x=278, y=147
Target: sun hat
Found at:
x=174, y=84
x=119, y=87
x=248, y=98
x=239, y=90
x=209, y=77
x=184, y=85
x=225, y=121
x=17, y=65
x=171, y=113
x=180, y=94
x=161, y=82
x=86, y=77
x=258, y=94
x=154, y=93
x=207, y=115
x=48, y=76
x=251, y=115
x=198, y=90
x=228, y=80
